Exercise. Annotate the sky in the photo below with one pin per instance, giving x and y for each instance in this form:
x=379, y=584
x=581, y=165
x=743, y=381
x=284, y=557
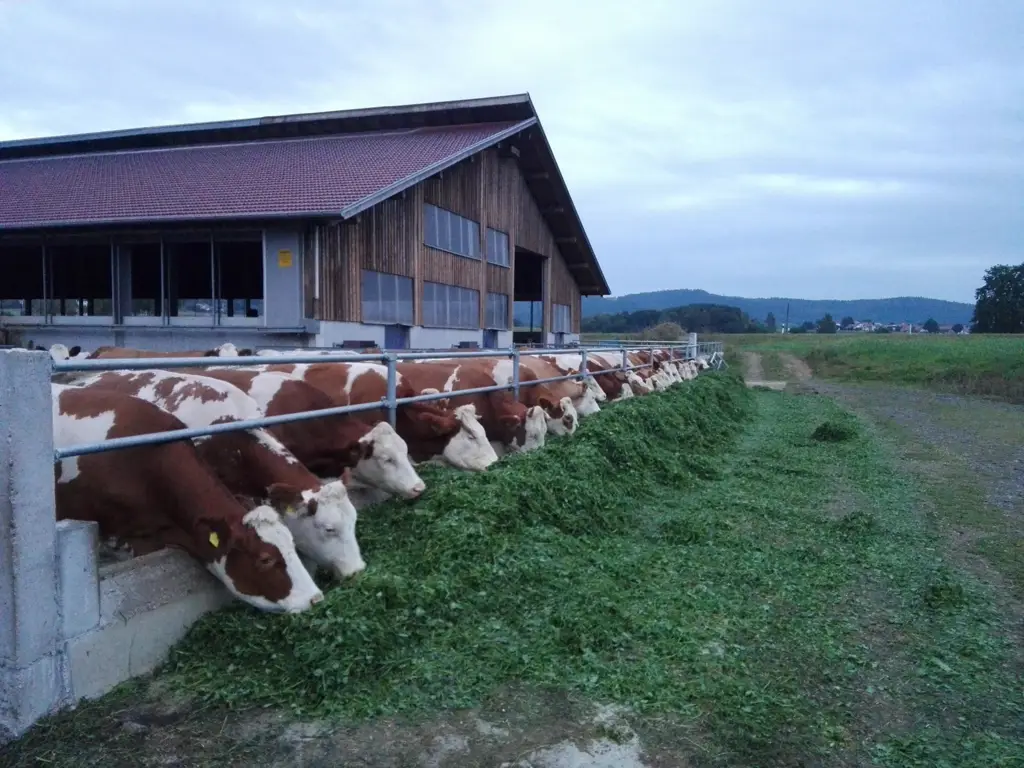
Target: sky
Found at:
x=848, y=149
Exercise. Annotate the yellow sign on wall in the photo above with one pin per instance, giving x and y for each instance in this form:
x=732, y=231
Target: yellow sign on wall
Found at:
x=284, y=258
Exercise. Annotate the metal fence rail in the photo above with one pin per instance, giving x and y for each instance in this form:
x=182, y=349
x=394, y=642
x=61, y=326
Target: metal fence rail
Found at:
x=677, y=352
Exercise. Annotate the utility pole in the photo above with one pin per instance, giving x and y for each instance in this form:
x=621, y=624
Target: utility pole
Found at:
x=785, y=327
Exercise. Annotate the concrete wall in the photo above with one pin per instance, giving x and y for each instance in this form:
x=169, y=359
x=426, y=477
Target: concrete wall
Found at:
x=442, y=338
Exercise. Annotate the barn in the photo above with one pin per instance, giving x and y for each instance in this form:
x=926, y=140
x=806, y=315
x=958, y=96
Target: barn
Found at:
x=422, y=226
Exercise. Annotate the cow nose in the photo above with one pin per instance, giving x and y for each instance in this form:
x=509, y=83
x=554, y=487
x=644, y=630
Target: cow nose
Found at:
x=418, y=489
x=317, y=598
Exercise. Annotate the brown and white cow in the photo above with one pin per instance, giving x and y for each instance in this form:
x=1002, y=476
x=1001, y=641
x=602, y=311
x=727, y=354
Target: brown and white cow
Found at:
x=554, y=399
x=636, y=384
x=570, y=362
x=116, y=353
x=432, y=432
x=157, y=496
x=377, y=456
x=510, y=426
x=252, y=462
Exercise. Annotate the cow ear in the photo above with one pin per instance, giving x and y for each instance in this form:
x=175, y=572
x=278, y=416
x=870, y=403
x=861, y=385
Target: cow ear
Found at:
x=213, y=537
x=247, y=502
x=441, y=424
x=74, y=351
x=544, y=402
x=367, y=449
x=245, y=353
x=211, y=353
x=283, y=496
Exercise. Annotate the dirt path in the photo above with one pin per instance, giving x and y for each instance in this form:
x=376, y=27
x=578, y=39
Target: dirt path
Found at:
x=796, y=369
x=968, y=454
x=753, y=371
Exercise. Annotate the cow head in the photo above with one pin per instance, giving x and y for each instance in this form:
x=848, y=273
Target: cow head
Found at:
x=59, y=352
x=535, y=427
x=385, y=463
x=561, y=416
x=257, y=561
x=595, y=388
x=469, y=449
x=224, y=350
x=587, y=404
x=638, y=385
x=702, y=363
x=322, y=523
x=626, y=391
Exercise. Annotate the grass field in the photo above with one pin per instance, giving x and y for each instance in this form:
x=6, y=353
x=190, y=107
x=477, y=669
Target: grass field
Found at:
x=753, y=575
x=989, y=365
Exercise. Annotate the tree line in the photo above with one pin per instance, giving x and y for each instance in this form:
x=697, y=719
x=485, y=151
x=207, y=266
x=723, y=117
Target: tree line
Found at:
x=999, y=308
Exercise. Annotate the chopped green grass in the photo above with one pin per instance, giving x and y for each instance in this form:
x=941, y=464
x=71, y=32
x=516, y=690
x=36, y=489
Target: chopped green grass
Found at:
x=760, y=597
x=835, y=431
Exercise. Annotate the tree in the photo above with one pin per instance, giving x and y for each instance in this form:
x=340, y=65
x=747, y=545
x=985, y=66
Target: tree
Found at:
x=958, y=328
x=847, y=322
x=827, y=324
x=931, y=325
x=883, y=329
x=770, y=322
x=999, y=303
x=807, y=325
x=798, y=329
x=663, y=332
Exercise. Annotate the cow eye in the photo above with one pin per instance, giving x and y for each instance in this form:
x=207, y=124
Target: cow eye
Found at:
x=330, y=530
x=266, y=560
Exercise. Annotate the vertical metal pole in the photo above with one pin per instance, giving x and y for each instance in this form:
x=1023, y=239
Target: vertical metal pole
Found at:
x=583, y=365
x=515, y=374
x=392, y=362
x=215, y=320
x=163, y=303
x=46, y=285
x=625, y=361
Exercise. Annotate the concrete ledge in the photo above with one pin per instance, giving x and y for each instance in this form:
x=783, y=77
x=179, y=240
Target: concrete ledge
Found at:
x=146, y=605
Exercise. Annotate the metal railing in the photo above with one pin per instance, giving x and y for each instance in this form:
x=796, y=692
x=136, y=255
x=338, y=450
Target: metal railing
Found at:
x=677, y=352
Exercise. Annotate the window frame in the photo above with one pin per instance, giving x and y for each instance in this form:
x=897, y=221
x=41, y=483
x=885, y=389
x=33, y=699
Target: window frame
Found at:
x=461, y=234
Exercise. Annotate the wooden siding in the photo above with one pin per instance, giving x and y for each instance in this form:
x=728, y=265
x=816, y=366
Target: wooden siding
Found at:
x=389, y=238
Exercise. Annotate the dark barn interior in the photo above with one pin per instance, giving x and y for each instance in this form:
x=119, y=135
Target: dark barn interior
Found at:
x=529, y=287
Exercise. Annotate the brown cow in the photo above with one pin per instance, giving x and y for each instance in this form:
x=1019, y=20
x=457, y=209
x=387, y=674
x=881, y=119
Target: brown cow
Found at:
x=116, y=353
x=510, y=425
x=159, y=496
x=377, y=456
x=252, y=463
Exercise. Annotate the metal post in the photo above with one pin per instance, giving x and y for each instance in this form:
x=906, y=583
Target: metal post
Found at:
x=515, y=374
x=583, y=365
x=392, y=387
x=625, y=360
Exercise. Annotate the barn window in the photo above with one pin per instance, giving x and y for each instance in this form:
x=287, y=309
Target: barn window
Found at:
x=449, y=306
x=387, y=298
x=144, y=295
x=189, y=279
x=81, y=280
x=239, y=272
x=450, y=232
x=497, y=247
x=497, y=311
x=561, y=320
x=21, y=290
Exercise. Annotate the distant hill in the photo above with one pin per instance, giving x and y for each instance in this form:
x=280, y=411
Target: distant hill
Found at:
x=901, y=309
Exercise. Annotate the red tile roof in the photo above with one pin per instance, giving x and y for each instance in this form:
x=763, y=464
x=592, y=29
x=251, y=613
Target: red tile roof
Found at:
x=313, y=175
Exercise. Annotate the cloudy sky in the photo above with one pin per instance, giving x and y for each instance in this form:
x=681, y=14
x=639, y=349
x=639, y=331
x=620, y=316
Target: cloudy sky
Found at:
x=848, y=149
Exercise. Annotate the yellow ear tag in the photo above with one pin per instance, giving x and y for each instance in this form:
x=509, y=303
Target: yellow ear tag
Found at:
x=290, y=510
x=215, y=539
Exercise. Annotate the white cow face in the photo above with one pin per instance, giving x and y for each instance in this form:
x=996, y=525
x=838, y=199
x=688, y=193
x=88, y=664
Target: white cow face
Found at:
x=587, y=404
x=323, y=526
x=469, y=449
x=595, y=389
x=386, y=463
x=536, y=429
x=562, y=420
x=702, y=363
x=626, y=393
x=638, y=385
